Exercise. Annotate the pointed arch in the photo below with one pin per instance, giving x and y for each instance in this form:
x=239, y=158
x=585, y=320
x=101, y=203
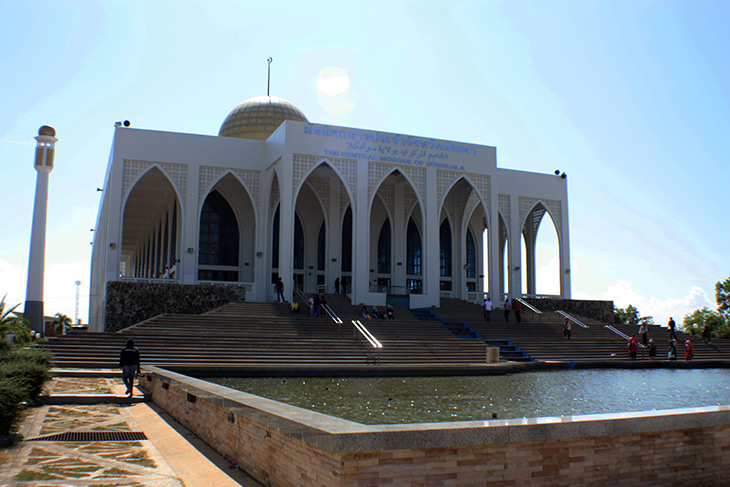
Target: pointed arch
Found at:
x=534, y=217
x=325, y=163
x=540, y=265
x=147, y=218
x=214, y=176
x=218, y=240
x=467, y=180
x=396, y=172
x=231, y=188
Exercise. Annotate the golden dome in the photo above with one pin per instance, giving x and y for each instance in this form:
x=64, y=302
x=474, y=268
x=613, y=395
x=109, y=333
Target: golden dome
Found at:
x=258, y=117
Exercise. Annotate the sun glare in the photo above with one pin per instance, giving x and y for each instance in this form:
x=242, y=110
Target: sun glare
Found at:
x=333, y=81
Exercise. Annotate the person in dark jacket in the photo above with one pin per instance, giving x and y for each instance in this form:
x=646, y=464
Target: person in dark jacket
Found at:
x=130, y=364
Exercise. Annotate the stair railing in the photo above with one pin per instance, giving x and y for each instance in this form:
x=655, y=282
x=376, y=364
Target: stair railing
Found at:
x=332, y=314
x=574, y=320
x=621, y=334
x=302, y=298
x=531, y=308
x=366, y=333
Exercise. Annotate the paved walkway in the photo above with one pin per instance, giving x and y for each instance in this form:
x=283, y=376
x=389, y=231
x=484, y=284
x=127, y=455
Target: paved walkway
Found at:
x=171, y=456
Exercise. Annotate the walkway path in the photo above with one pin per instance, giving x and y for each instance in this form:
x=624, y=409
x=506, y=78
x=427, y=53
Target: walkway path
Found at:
x=169, y=456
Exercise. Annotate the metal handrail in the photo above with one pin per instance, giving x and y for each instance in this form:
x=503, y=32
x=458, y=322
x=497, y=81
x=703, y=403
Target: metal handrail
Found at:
x=332, y=314
x=366, y=333
x=529, y=306
x=326, y=307
x=303, y=298
x=621, y=334
x=577, y=322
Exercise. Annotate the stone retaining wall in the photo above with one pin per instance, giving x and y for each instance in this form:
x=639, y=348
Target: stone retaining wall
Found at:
x=282, y=445
x=597, y=310
x=128, y=303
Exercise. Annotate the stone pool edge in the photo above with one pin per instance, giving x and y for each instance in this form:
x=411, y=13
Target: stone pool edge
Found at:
x=278, y=444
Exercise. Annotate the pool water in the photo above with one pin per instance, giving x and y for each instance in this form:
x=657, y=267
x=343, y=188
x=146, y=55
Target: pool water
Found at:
x=392, y=400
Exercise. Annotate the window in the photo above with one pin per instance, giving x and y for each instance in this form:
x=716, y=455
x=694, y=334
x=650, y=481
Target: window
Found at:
x=298, y=244
x=384, y=249
x=173, y=236
x=471, y=256
x=218, y=232
x=413, y=249
x=275, y=241
x=321, y=247
x=210, y=275
x=347, y=241
x=415, y=286
x=445, y=249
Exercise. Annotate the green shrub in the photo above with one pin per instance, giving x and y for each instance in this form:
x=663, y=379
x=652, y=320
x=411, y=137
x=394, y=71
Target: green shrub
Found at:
x=34, y=354
x=12, y=395
x=32, y=374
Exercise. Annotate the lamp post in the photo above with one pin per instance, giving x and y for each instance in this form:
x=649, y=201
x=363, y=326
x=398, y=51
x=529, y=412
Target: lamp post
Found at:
x=44, y=154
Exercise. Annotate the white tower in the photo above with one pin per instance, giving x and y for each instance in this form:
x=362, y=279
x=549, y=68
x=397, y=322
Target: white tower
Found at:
x=44, y=152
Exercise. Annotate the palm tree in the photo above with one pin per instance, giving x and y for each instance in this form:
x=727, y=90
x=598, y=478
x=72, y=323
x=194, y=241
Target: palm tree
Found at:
x=11, y=324
x=61, y=323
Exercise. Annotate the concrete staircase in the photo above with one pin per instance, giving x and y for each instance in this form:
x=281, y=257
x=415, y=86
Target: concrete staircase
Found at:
x=266, y=339
x=541, y=336
x=267, y=336
x=461, y=329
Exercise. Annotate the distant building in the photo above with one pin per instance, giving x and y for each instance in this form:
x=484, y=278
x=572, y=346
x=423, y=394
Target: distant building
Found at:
x=394, y=218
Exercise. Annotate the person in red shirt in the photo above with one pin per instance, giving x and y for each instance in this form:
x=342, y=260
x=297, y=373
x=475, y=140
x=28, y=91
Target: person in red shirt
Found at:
x=633, y=347
x=689, y=351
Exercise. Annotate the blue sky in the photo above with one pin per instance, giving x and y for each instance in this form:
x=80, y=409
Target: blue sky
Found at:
x=630, y=98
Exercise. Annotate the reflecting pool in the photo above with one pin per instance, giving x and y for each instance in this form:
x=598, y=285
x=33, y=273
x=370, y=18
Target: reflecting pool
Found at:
x=390, y=400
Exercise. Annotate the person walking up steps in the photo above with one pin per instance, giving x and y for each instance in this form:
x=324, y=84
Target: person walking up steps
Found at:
x=280, y=291
x=672, y=325
x=506, y=309
x=487, y=309
x=130, y=363
x=517, y=307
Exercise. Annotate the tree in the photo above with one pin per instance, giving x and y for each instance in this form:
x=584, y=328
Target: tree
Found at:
x=722, y=297
x=11, y=324
x=630, y=316
x=61, y=323
x=695, y=321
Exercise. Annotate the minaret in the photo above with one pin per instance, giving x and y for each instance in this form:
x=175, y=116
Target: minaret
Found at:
x=44, y=152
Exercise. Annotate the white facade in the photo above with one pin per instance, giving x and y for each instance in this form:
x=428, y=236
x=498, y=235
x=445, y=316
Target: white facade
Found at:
x=396, y=190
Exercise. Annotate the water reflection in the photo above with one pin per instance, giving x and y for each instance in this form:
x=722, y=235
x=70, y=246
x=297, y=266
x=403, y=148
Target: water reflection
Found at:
x=390, y=400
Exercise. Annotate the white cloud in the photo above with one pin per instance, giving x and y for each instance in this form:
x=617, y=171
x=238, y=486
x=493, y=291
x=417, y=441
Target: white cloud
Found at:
x=622, y=295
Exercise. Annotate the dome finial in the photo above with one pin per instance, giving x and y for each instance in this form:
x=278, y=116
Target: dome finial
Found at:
x=268, y=81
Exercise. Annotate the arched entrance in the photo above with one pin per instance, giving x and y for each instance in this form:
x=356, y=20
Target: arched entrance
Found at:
x=150, y=229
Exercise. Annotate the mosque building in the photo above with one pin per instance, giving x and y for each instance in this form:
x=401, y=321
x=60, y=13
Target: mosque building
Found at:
x=390, y=217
